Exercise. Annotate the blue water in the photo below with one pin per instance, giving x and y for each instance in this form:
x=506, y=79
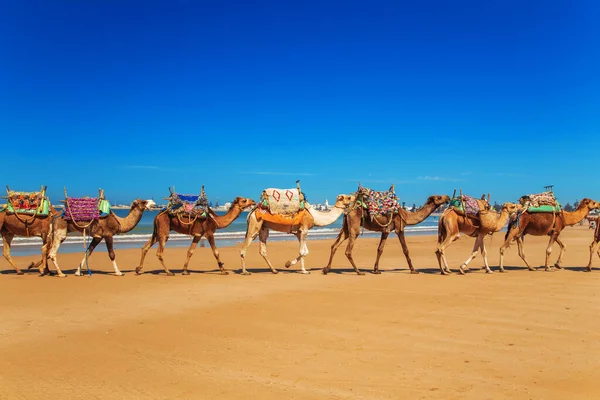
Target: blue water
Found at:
x=233, y=235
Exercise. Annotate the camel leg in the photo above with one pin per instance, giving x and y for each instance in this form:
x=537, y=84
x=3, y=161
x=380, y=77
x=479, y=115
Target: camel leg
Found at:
x=510, y=237
x=549, y=251
x=384, y=236
x=476, y=247
x=245, y=245
x=211, y=240
x=302, y=251
x=57, y=238
x=252, y=230
x=190, y=252
x=95, y=241
x=488, y=270
x=351, y=240
x=111, y=254
x=521, y=250
x=145, y=249
x=592, y=249
x=45, y=248
x=342, y=236
x=405, y=250
x=563, y=248
x=441, y=253
x=159, y=254
x=262, y=247
x=7, y=238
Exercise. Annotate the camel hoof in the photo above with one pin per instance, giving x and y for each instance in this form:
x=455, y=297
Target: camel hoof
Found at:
x=20, y=273
x=558, y=266
x=360, y=273
x=588, y=269
x=461, y=271
x=489, y=271
x=170, y=273
x=305, y=272
x=325, y=271
x=224, y=273
x=246, y=273
x=119, y=274
x=138, y=271
x=62, y=276
x=502, y=271
x=414, y=272
x=288, y=264
x=275, y=271
x=377, y=272
x=78, y=274
x=185, y=273
x=31, y=265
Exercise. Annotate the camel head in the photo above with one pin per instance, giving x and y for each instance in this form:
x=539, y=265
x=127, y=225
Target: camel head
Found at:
x=589, y=204
x=142, y=205
x=512, y=207
x=344, y=200
x=438, y=200
x=242, y=202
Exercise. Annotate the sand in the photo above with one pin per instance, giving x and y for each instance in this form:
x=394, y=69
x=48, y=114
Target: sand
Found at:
x=519, y=335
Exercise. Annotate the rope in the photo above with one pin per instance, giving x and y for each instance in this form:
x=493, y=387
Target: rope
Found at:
x=26, y=222
x=187, y=223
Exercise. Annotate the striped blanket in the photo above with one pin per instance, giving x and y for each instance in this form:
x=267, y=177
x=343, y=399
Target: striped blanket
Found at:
x=81, y=209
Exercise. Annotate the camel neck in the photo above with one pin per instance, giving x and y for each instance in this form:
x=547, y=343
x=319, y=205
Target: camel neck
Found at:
x=325, y=218
x=130, y=221
x=572, y=218
x=413, y=218
x=223, y=221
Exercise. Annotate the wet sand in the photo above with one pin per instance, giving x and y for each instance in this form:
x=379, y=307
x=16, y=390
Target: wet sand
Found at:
x=519, y=335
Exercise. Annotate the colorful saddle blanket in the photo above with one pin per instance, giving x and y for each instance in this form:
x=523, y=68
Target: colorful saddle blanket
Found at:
x=33, y=203
x=192, y=204
x=281, y=219
x=540, y=202
x=282, y=201
x=469, y=205
x=379, y=203
x=85, y=208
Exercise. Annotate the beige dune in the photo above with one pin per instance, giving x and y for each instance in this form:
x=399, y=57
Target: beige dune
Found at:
x=521, y=335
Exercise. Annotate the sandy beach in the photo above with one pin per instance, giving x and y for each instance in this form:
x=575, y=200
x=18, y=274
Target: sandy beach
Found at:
x=519, y=335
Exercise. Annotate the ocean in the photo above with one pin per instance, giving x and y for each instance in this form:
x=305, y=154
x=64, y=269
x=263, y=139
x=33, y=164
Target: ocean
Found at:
x=233, y=235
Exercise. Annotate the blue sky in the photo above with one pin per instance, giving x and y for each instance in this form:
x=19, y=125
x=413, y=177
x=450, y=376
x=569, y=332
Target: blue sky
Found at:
x=134, y=96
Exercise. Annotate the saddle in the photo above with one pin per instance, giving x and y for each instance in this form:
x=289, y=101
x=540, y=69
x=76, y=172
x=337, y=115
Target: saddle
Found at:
x=190, y=205
x=378, y=203
x=80, y=209
x=283, y=201
x=30, y=203
x=469, y=206
x=540, y=202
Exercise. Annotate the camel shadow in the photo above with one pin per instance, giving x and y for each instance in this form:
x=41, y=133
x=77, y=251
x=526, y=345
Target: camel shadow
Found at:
x=267, y=270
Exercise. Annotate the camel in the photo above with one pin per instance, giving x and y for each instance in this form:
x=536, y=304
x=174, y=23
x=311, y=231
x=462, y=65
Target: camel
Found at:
x=356, y=218
x=593, y=246
x=20, y=224
x=260, y=227
x=196, y=227
x=103, y=228
x=452, y=224
x=542, y=224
